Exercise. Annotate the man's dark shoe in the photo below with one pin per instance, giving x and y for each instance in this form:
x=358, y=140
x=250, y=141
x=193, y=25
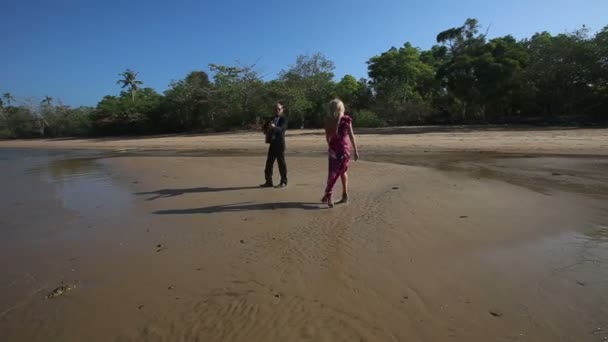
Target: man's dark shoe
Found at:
x=282, y=185
x=266, y=185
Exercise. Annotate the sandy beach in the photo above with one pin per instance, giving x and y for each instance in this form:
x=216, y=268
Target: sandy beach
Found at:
x=400, y=139
x=455, y=233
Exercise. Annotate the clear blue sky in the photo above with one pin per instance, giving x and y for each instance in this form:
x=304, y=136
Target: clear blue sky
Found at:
x=74, y=49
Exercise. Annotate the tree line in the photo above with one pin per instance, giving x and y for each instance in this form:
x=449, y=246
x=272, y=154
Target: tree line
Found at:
x=465, y=78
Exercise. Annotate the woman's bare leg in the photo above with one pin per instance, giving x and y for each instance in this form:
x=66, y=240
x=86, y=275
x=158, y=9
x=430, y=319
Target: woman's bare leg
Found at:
x=344, y=179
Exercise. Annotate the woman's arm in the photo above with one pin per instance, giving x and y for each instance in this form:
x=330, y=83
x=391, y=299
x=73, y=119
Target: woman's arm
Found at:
x=353, y=141
x=327, y=132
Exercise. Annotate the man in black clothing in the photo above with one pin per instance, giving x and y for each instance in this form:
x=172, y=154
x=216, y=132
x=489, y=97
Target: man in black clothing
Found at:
x=275, y=136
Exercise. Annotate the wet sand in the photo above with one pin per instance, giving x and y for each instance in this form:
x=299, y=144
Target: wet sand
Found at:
x=439, y=242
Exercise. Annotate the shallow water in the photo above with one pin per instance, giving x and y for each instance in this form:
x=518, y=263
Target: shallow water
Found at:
x=51, y=204
x=75, y=181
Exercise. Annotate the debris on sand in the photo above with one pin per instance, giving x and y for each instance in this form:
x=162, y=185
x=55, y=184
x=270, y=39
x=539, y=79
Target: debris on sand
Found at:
x=59, y=291
x=395, y=188
x=495, y=313
x=463, y=216
x=242, y=241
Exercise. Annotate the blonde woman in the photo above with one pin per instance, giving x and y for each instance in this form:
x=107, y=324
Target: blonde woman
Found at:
x=340, y=137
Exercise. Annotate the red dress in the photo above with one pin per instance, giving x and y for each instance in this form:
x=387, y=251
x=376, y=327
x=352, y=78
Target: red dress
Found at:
x=339, y=153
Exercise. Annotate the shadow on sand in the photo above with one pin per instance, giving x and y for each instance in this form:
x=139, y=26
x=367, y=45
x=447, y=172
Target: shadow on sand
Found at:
x=178, y=192
x=240, y=207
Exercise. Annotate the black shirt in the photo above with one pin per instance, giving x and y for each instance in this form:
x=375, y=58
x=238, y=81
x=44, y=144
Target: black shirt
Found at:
x=278, y=132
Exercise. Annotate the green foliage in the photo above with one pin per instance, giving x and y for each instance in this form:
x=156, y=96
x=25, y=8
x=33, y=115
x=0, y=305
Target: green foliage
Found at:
x=563, y=73
x=367, y=118
x=306, y=88
x=17, y=122
x=238, y=96
x=128, y=113
x=468, y=79
x=348, y=90
x=465, y=78
x=65, y=121
x=186, y=104
x=599, y=78
x=401, y=80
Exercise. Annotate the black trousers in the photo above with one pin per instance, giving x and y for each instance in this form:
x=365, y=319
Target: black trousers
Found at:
x=276, y=152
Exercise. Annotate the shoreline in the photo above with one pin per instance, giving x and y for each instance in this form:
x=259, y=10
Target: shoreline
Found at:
x=565, y=141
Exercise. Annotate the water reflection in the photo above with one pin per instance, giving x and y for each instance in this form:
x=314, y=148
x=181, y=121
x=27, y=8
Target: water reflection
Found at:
x=87, y=187
x=83, y=183
x=73, y=169
x=575, y=257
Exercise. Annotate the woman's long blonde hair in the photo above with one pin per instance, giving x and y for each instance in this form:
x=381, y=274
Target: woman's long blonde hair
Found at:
x=332, y=120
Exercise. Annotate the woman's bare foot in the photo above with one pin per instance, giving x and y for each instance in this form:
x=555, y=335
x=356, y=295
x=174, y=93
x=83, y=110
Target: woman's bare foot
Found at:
x=344, y=199
x=327, y=199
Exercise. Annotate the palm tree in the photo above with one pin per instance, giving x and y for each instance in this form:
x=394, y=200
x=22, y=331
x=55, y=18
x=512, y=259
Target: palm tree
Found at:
x=47, y=109
x=48, y=100
x=8, y=97
x=129, y=79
